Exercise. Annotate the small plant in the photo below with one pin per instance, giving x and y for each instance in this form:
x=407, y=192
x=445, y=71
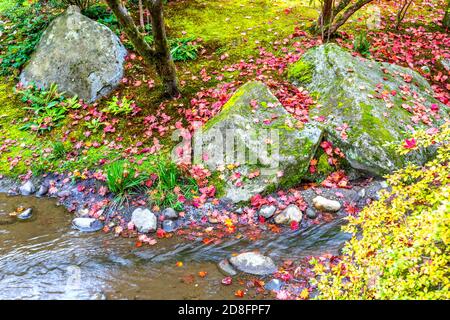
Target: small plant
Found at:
x=47, y=107
x=171, y=185
x=123, y=179
x=183, y=49
x=95, y=125
x=116, y=106
x=361, y=44
x=102, y=14
x=72, y=103
x=59, y=151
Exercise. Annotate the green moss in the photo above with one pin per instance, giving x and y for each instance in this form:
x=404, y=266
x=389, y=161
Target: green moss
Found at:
x=300, y=72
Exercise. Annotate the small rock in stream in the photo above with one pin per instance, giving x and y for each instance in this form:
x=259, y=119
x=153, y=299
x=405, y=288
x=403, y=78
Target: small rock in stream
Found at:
x=274, y=285
x=254, y=263
x=26, y=214
x=169, y=225
x=290, y=214
x=267, y=211
x=226, y=268
x=144, y=220
x=311, y=213
x=324, y=204
x=170, y=213
x=43, y=189
x=87, y=224
x=13, y=192
x=27, y=188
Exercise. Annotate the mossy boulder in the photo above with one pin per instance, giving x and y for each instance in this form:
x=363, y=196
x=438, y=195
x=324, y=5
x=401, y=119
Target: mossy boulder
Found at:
x=256, y=144
x=81, y=56
x=374, y=99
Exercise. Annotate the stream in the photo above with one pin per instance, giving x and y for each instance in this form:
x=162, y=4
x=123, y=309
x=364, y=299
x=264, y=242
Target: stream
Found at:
x=44, y=258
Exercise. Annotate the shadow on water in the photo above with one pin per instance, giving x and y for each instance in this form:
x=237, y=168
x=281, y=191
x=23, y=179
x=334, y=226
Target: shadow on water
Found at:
x=44, y=258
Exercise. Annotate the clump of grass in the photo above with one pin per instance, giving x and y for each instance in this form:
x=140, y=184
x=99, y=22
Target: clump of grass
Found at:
x=123, y=179
x=361, y=44
x=117, y=107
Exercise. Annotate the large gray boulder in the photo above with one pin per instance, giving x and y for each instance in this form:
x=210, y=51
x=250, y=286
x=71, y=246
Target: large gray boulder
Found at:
x=255, y=144
x=81, y=56
x=372, y=98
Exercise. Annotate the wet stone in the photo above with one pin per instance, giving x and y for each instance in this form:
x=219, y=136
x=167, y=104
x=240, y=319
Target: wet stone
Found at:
x=274, y=285
x=254, y=263
x=311, y=213
x=87, y=224
x=27, y=188
x=43, y=189
x=169, y=225
x=226, y=268
x=26, y=214
x=170, y=213
x=324, y=204
x=267, y=211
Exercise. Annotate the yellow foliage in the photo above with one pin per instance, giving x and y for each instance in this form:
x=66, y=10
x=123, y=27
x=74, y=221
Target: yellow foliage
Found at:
x=400, y=244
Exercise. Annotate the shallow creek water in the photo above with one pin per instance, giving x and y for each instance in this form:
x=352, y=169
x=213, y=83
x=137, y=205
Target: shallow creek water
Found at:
x=44, y=258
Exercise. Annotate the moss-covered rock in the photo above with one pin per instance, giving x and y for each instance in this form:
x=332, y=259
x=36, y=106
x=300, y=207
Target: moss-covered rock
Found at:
x=257, y=144
x=81, y=56
x=371, y=98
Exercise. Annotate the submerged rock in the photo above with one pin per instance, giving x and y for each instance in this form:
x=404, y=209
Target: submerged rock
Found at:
x=311, y=213
x=373, y=99
x=87, y=224
x=81, y=56
x=170, y=213
x=253, y=263
x=274, y=285
x=327, y=205
x=27, y=188
x=291, y=214
x=254, y=130
x=226, y=268
x=26, y=214
x=144, y=220
x=169, y=225
x=43, y=189
x=267, y=211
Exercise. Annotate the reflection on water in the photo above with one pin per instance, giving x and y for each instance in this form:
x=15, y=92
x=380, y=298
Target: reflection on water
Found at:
x=45, y=259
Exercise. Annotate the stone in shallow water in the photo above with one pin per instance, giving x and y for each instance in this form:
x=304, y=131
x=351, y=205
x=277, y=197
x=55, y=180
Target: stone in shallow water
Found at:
x=267, y=211
x=311, y=213
x=253, y=263
x=144, y=220
x=27, y=188
x=169, y=226
x=274, y=285
x=87, y=224
x=26, y=214
x=43, y=189
x=226, y=268
x=170, y=213
x=290, y=214
x=324, y=204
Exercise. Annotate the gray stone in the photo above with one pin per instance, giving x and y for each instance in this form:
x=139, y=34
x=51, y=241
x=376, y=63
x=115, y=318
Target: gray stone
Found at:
x=259, y=125
x=346, y=89
x=27, y=188
x=446, y=64
x=267, y=211
x=170, y=213
x=169, y=225
x=144, y=220
x=63, y=194
x=290, y=214
x=87, y=224
x=226, y=268
x=83, y=57
x=26, y=214
x=311, y=213
x=253, y=263
x=327, y=205
x=43, y=189
x=274, y=285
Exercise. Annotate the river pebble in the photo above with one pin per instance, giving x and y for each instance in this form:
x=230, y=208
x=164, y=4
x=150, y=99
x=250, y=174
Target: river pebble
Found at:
x=170, y=213
x=226, y=268
x=253, y=263
x=291, y=214
x=324, y=204
x=144, y=220
x=43, y=189
x=27, y=188
x=267, y=211
x=26, y=214
x=169, y=225
x=87, y=224
x=274, y=285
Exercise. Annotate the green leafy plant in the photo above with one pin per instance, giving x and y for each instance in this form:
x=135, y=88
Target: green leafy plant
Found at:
x=123, y=179
x=401, y=243
x=59, y=151
x=361, y=44
x=95, y=125
x=47, y=107
x=117, y=107
x=183, y=49
x=17, y=42
x=170, y=185
x=102, y=14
